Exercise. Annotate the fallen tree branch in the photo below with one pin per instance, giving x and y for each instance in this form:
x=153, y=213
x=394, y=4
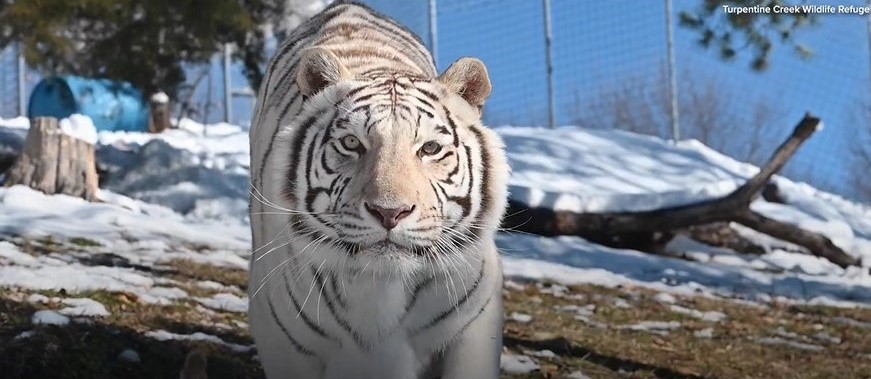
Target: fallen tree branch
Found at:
x=649, y=230
x=818, y=244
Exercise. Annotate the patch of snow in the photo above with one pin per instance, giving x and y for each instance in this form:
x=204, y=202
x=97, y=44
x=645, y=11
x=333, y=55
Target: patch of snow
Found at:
x=575, y=261
x=37, y=298
x=225, y=302
x=163, y=335
x=512, y=285
x=240, y=324
x=665, y=298
x=80, y=127
x=215, y=286
x=48, y=317
x=160, y=98
x=83, y=307
x=161, y=295
x=20, y=122
x=846, y=321
x=10, y=254
x=781, y=332
x=619, y=302
x=47, y=273
x=517, y=364
x=712, y=316
x=543, y=354
x=29, y=213
x=585, y=310
x=655, y=327
x=555, y=289
x=785, y=342
x=577, y=375
x=24, y=335
x=520, y=317
x=827, y=338
x=704, y=333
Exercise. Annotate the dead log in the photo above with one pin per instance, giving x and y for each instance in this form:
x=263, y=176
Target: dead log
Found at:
x=722, y=234
x=55, y=163
x=649, y=230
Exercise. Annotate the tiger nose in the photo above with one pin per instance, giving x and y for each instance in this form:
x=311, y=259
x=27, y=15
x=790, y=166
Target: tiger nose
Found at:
x=389, y=217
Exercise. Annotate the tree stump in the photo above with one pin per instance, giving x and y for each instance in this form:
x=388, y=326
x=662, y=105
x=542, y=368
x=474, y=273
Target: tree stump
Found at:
x=55, y=163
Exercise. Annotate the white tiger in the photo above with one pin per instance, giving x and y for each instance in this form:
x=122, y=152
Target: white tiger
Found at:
x=376, y=196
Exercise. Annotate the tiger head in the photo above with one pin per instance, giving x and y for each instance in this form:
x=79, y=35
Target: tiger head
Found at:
x=387, y=165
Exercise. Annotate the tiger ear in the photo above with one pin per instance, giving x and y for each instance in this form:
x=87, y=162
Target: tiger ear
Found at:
x=468, y=78
x=319, y=68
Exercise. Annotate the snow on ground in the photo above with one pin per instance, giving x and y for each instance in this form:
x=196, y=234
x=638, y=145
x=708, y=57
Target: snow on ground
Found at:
x=115, y=221
x=572, y=260
x=162, y=335
x=183, y=194
x=517, y=364
x=83, y=307
x=577, y=375
x=712, y=316
x=789, y=343
x=48, y=272
x=225, y=302
x=79, y=126
x=655, y=327
x=607, y=170
x=522, y=318
x=704, y=333
x=47, y=317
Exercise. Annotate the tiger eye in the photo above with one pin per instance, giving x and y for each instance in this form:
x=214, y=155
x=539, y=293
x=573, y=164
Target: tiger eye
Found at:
x=350, y=142
x=430, y=148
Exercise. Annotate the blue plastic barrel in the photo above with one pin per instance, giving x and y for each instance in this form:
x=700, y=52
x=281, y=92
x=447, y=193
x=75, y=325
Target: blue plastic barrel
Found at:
x=113, y=106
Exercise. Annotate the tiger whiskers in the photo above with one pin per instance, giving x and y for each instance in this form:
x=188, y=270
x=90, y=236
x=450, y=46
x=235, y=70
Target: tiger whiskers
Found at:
x=285, y=232
x=262, y=199
x=283, y=263
x=312, y=287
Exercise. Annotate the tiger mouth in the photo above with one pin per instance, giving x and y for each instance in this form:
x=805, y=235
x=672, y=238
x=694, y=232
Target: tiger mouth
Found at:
x=387, y=247
x=384, y=247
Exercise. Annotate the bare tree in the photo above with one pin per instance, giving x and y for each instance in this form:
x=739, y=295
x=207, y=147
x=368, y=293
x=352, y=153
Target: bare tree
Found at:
x=711, y=111
x=637, y=104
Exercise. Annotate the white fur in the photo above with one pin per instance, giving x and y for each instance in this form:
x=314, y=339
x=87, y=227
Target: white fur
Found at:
x=386, y=341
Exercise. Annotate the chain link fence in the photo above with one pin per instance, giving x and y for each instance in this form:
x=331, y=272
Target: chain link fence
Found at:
x=610, y=69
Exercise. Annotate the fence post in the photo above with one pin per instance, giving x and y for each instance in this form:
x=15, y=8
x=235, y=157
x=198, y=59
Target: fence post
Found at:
x=869, y=43
x=433, y=32
x=548, y=45
x=228, y=97
x=22, y=91
x=672, y=74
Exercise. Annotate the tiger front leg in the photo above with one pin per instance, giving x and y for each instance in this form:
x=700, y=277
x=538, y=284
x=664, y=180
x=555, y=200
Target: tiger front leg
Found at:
x=477, y=352
x=393, y=359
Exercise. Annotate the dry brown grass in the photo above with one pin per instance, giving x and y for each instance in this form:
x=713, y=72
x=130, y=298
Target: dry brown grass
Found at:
x=733, y=352
x=90, y=349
